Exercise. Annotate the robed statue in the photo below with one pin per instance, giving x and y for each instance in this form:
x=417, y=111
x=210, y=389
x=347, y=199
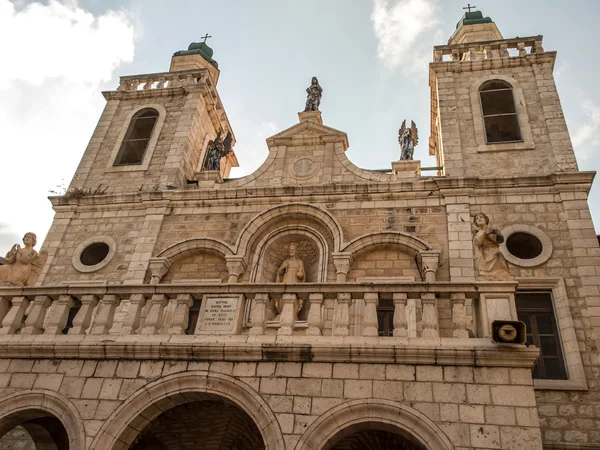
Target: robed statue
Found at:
x=313, y=98
x=23, y=264
x=217, y=149
x=292, y=269
x=408, y=139
x=489, y=261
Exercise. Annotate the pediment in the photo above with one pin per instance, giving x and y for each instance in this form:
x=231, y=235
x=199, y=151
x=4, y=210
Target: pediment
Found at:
x=308, y=129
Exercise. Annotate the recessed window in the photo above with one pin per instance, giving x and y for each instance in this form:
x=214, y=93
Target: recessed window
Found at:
x=385, y=318
x=524, y=245
x=134, y=144
x=500, y=116
x=536, y=309
x=94, y=254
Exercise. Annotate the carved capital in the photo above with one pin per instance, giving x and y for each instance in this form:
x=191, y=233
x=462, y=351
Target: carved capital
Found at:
x=342, y=262
x=158, y=268
x=236, y=266
x=428, y=262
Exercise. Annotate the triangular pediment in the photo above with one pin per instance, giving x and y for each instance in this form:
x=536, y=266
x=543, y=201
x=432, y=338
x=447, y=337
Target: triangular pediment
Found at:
x=308, y=129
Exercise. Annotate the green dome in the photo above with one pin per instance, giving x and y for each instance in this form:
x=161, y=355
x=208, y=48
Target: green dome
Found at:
x=199, y=48
x=471, y=18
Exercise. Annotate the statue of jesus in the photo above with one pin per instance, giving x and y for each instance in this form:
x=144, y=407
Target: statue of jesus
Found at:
x=292, y=269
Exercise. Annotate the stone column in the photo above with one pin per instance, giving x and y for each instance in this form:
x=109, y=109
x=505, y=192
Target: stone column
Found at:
x=430, y=317
x=236, y=266
x=315, y=318
x=58, y=315
x=34, y=324
x=82, y=320
x=155, y=314
x=370, y=316
x=104, y=316
x=14, y=318
x=131, y=321
x=289, y=314
x=341, y=318
x=4, y=307
x=259, y=313
x=459, y=316
x=429, y=261
x=158, y=267
x=342, y=262
x=180, y=318
x=400, y=322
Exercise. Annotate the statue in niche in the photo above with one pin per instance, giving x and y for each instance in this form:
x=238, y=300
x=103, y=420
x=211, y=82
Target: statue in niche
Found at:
x=314, y=93
x=292, y=269
x=217, y=149
x=489, y=262
x=408, y=138
x=23, y=264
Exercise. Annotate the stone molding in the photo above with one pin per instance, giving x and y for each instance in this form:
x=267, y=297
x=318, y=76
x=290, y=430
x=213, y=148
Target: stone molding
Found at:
x=543, y=237
x=52, y=403
x=112, y=246
x=158, y=267
x=349, y=416
x=124, y=424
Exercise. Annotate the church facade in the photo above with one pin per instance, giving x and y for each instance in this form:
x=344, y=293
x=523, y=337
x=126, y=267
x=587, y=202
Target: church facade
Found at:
x=314, y=305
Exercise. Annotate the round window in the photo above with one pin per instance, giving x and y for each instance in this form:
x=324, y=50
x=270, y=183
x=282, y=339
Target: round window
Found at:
x=524, y=245
x=94, y=254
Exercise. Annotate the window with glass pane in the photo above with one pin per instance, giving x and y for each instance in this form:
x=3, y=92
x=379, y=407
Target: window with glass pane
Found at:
x=137, y=137
x=385, y=318
x=499, y=112
x=537, y=311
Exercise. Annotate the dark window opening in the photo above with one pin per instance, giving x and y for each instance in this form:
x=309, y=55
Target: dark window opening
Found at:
x=500, y=116
x=137, y=137
x=524, y=245
x=73, y=310
x=94, y=254
x=537, y=311
x=385, y=318
x=193, y=314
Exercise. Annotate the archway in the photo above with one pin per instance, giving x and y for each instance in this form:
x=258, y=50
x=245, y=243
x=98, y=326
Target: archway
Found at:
x=372, y=436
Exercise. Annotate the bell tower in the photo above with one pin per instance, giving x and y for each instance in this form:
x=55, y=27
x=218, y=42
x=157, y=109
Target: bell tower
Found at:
x=155, y=129
x=494, y=106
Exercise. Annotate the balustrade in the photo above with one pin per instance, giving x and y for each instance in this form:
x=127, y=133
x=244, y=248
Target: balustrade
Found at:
x=165, y=80
x=308, y=309
x=488, y=50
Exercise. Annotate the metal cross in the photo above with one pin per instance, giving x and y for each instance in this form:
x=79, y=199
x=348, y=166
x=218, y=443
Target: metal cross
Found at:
x=205, y=37
x=469, y=7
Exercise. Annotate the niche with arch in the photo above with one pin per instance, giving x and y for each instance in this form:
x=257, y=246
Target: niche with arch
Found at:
x=384, y=261
x=196, y=265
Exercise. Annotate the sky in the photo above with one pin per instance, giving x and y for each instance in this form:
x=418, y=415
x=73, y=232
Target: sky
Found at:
x=371, y=58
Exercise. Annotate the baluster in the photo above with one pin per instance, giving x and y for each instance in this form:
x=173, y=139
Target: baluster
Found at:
x=155, y=314
x=459, y=316
x=537, y=47
x=123, y=85
x=14, y=318
x=521, y=48
x=82, y=320
x=174, y=82
x=131, y=321
x=58, y=315
x=179, y=321
x=134, y=85
x=455, y=55
x=438, y=56
x=341, y=319
x=4, y=307
x=430, y=321
x=34, y=324
x=472, y=55
x=504, y=51
x=289, y=314
x=370, y=316
x=400, y=322
x=259, y=313
x=161, y=83
x=488, y=52
x=315, y=318
x=148, y=84
x=105, y=314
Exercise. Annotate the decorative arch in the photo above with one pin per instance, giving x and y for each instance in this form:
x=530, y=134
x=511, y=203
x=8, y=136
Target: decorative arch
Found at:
x=21, y=406
x=208, y=244
x=141, y=408
x=405, y=419
x=301, y=209
x=387, y=237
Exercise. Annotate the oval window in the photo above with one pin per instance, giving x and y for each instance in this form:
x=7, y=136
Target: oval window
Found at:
x=94, y=254
x=524, y=245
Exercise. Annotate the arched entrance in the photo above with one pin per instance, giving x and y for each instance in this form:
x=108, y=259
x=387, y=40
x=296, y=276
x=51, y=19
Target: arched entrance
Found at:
x=39, y=420
x=372, y=436
x=209, y=425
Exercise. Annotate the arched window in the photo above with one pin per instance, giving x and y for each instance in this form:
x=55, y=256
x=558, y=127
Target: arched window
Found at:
x=500, y=117
x=136, y=139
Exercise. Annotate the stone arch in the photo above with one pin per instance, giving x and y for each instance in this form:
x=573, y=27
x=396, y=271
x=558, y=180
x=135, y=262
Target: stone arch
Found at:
x=307, y=210
x=405, y=419
x=124, y=424
x=208, y=244
x=258, y=260
x=404, y=240
x=19, y=407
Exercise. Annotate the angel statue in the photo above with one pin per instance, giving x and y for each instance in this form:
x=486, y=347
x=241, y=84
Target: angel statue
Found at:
x=23, y=264
x=314, y=93
x=408, y=139
x=217, y=149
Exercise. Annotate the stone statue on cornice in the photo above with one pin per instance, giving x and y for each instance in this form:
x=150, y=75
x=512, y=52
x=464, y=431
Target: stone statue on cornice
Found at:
x=313, y=98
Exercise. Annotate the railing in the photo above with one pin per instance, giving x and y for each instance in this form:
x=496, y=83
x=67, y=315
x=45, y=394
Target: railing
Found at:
x=489, y=49
x=420, y=310
x=163, y=80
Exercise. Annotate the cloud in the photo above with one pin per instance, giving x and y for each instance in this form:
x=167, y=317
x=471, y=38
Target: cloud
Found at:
x=399, y=26
x=585, y=137
x=58, y=57
x=251, y=149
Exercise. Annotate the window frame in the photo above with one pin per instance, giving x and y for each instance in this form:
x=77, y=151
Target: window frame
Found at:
x=140, y=115
x=387, y=309
x=576, y=380
x=484, y=116
x=150, y=148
